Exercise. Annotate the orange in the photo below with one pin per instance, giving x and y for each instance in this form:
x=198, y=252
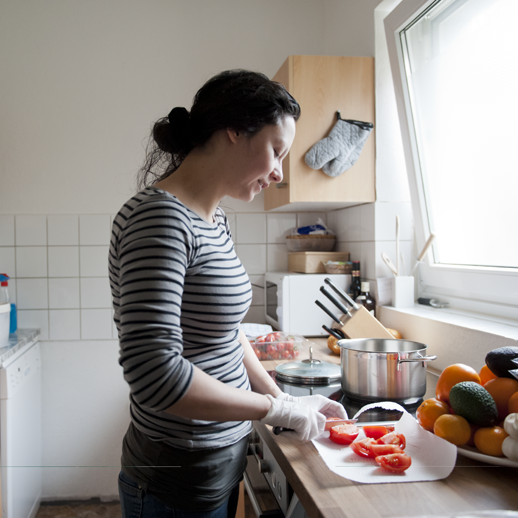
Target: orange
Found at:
x=453, y=428
x=513, y=404
x=489, y=440
x=452, y=375
x=486, y=375
x=429, y=411
x=502, y=389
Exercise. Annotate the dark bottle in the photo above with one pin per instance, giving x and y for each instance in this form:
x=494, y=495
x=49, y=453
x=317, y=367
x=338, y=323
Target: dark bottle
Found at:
x=356, y=287
x=366, y=300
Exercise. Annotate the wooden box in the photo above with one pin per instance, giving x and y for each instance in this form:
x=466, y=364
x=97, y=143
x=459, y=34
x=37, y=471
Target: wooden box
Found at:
x=313, y=262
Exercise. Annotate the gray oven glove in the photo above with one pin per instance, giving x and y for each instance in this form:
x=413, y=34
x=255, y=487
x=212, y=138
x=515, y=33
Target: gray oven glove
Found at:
x=340, y=150
x=306, y=422
x=321, y=404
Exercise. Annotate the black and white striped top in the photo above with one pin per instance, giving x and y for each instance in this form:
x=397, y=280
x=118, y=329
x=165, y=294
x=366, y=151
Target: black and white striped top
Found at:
x=179, y=294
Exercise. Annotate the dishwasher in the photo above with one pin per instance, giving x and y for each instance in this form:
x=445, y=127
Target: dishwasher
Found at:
x=20, y=432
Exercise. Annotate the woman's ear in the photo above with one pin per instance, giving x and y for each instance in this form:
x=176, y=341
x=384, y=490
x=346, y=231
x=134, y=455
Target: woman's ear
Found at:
x=233, y=135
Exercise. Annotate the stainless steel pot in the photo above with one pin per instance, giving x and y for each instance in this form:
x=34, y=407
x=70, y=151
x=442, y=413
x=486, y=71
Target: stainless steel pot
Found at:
x=379, y=369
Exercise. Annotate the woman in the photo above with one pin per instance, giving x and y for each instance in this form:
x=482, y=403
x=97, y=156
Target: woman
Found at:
x=179, y=294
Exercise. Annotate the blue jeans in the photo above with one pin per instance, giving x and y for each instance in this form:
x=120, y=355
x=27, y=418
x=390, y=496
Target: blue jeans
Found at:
x=135, y=503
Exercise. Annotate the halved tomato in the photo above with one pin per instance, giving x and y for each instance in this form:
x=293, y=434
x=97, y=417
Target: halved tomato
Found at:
x=395, y=462
x=344, y=433
x=375, y=431
x=393, y=438
x=371, y=449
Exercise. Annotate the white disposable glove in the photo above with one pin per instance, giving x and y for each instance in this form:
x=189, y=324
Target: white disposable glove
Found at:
x=321, y=404
x=304, y=422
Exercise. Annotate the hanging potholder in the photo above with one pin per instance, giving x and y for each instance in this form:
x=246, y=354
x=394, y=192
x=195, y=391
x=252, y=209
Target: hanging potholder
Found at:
x=341, y=149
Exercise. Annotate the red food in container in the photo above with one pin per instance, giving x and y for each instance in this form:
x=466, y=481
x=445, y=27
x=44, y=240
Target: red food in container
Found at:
x=277, y=346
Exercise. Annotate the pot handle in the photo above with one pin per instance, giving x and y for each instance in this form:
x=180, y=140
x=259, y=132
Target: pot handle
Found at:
x=412, y=360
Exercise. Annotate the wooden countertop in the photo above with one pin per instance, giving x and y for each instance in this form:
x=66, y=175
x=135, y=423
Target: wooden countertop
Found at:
x=472, y=486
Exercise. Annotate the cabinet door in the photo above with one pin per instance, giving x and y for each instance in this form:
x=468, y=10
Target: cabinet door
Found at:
x=323, y=85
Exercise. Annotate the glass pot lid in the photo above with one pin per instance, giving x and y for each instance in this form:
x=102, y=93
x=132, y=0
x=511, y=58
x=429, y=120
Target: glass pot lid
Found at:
x=309, y=372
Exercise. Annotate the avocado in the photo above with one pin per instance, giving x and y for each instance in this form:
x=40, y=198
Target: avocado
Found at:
x=473, y=402
x=500, y=361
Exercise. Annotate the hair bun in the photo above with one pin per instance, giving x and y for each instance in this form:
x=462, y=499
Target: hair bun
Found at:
x=174, y=133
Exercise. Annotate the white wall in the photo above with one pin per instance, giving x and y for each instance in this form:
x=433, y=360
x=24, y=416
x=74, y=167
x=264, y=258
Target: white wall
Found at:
x=81, y=84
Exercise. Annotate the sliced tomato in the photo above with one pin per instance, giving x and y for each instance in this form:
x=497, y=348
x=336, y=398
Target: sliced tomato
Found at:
x=395, y=462
x=344, y=433
x=363, y=447
x=369, y=448
x=393, y=438
x=375, y=431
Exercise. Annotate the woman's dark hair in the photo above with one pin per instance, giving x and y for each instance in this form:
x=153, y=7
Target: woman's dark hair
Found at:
x=237, y=99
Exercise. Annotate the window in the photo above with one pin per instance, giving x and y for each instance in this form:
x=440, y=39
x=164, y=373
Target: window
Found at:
x=456, y=78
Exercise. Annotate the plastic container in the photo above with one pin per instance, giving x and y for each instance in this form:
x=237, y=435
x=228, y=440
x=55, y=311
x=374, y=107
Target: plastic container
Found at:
x=310, y=243
x=339, y=267
x=277, y=346
x=5, y=315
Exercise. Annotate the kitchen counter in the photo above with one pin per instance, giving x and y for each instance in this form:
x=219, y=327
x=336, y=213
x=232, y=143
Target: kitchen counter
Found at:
x=472, y=486
x=17, y=341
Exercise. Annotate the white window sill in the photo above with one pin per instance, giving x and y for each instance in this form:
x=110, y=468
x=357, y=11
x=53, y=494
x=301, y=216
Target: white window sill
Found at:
x=455, y=336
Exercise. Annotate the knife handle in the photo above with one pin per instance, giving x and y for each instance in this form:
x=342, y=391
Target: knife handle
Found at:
x=330, y=313
x=279, y=429
x=342, y=293
x=335, y=301
x=333, y=332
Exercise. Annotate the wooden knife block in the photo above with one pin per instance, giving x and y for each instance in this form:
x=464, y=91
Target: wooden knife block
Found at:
x=363, y=325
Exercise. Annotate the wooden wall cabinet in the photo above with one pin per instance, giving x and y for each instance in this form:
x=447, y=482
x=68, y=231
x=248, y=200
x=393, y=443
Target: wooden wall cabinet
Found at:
x=323, y=85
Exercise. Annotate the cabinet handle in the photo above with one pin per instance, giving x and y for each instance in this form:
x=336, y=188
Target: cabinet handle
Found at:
x=280, y=185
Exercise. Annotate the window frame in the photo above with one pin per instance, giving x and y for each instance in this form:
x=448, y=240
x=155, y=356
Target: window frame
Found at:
x=488, y=290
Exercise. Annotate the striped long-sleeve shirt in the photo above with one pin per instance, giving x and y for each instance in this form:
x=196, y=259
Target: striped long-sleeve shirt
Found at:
x=179, y=294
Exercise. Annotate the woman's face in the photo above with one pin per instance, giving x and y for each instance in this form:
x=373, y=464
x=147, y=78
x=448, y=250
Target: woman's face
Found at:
x=259, y=158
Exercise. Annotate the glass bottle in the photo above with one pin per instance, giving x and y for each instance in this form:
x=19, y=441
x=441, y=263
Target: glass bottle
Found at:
x=355, y=288
x=366, y=300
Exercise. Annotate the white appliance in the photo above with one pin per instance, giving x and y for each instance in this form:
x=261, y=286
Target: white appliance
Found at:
x=20, y=432
x=289, y=301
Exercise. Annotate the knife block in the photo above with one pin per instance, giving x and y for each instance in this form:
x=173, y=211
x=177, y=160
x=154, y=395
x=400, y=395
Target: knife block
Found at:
x=363, y=325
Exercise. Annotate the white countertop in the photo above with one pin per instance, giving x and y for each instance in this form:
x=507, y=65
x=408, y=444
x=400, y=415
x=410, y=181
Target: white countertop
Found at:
x=16, y=342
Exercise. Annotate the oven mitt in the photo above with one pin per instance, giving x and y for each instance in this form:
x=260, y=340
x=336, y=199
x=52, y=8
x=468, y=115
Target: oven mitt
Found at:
x=322, y=404
x=306, y=422
x=340, y=150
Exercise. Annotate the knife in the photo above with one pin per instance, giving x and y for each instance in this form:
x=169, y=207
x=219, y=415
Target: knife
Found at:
x=329, y=424
x=330, y=313
x=342, y=294
x=337, y=333
x=335, y=301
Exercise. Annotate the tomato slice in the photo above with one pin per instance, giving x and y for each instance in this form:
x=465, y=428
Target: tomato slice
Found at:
x=393, y=438
x=369, y=448
x=395, y=462
x=344, y=433
x=375, y=431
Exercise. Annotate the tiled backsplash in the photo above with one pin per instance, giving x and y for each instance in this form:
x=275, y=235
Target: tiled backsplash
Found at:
x=59, y=273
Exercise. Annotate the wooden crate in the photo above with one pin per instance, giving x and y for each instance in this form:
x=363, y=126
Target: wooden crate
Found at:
x=312, y=262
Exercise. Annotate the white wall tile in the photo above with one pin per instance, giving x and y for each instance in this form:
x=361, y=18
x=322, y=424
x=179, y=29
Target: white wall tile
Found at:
x=63, y=261
x=64, y=324
x=255, y=315
x=93, y=261
x=64, y=293
x=279, y=226
x=385, y=220
x=345, y=223
x=277, y=258
x=63, y=230
x=96, y=324
x=95, y=292
x=31, y=261
x=367, y=222
x=251, y=228
x=94, y=229
x=253, y=258
x=34, y=319
x=7, y=261
x=31, y=230
x=257, y=290
x=32, y=294
x=6, y=230
x=354, y=248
